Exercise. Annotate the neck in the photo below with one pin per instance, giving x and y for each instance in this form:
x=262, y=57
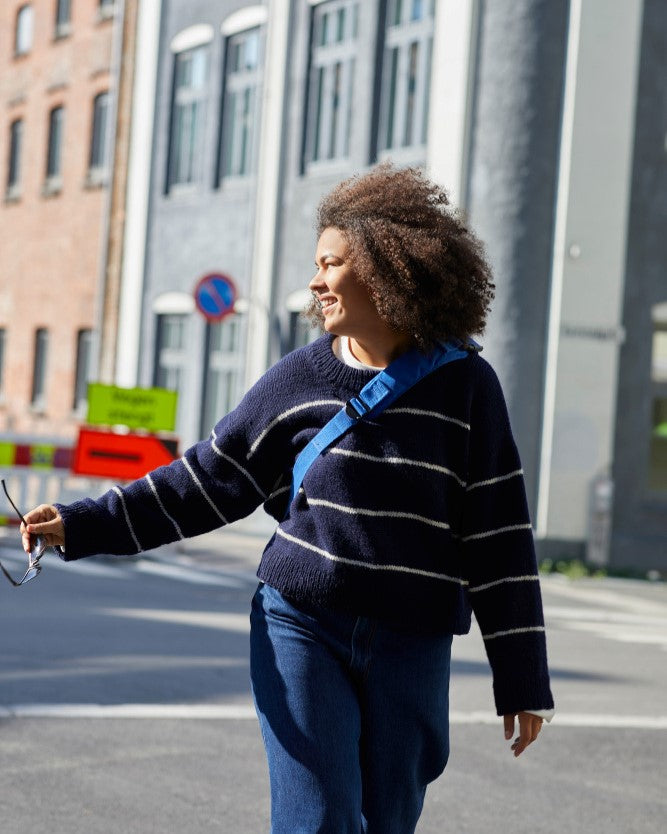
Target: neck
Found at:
x=380, y=351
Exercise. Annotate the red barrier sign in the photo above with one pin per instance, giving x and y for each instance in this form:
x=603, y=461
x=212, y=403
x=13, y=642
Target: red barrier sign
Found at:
x=123, y=456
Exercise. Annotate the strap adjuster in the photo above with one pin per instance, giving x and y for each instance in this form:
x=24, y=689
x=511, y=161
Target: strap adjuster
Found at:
x=352, y=410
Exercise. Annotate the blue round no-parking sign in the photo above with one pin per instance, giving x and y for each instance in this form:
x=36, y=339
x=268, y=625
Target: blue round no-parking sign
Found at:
x=215, y=295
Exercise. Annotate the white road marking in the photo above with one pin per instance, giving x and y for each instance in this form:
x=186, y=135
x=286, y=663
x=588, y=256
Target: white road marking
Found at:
x=244, y=711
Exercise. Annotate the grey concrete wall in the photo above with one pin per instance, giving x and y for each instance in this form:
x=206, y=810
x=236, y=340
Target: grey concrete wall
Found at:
x=511, y=194
x=195, y=229
x=303, y=191
x=640, y=517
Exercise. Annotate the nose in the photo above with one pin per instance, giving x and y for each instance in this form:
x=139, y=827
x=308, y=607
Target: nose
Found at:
x=316, y=282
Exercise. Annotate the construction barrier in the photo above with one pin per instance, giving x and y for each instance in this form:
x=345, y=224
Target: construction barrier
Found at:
x=37, y=471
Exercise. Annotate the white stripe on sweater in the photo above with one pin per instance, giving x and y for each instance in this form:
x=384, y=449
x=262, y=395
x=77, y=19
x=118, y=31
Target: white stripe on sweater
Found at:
x=511, y=631
x=243, y=471
x=203, y=491
x=496, y=532
x=127, y=518
x=288, y=413
x=406, y=461
x=421, y=412
x=369, y=565
x=530, y=578
x=161, y=506
x=495, y=480
x=281, y=490
x=378, y=513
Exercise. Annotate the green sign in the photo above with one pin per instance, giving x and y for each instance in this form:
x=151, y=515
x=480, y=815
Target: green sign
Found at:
x=153, y=409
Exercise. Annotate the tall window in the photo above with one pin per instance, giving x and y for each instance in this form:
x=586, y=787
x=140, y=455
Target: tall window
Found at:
x=99, y=138
x=658, y=451
x=24, y=30
x=38, y=397
x=63, y=18
x=54, y=155
x=107, y=8
x=188, y=116
x=406, y=74
x=331, y=79
x=3, y=337
x=170, y=352
x=84, y=343
x=224, y=366
x=239, y=107
x=14, y=167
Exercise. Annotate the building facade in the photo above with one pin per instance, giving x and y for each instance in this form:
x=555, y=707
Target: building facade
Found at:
x=55, y=131
x=543, y=118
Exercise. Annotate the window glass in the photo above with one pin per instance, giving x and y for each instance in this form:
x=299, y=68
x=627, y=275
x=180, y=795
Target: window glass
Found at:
x=84, y=343
x=38, y=396
x=188, y=115
x=63, y=16
x=406, y=74
x=56, y=122
x=24, y=30
x=240, y=102
x=99, y=138
x=224, y=369
x=15, y=147
x=330, y=85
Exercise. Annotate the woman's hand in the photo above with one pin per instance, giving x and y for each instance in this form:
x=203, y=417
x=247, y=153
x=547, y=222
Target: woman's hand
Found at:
x=44, y=521
x=529, y=728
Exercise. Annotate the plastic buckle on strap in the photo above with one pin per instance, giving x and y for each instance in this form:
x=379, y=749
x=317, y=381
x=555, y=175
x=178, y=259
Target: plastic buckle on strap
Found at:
x=352, y=411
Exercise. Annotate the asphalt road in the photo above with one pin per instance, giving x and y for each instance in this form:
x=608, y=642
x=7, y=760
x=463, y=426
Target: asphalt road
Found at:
x=125, y=707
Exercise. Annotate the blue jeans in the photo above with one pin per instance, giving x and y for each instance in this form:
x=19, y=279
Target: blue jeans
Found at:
x=354, y=716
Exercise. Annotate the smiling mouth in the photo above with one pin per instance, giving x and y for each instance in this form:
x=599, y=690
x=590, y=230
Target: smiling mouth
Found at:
x=327, y=305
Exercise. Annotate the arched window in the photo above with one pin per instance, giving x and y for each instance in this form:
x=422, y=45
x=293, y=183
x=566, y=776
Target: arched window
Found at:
x=99, y=139
x=24, y=30
x=189, y=99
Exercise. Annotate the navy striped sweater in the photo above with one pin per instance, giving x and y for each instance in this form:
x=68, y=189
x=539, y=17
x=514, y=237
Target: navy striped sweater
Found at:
x=415, y=516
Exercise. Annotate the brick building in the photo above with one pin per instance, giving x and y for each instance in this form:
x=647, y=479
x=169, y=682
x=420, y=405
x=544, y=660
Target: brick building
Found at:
x=55, y=77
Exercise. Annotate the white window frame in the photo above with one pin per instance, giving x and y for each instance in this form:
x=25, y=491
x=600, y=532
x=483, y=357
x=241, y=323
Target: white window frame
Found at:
x=330, y=85
x=25, y=30
x=241, y=101
x=188, y=102
x=399, y=40
x=225, y=363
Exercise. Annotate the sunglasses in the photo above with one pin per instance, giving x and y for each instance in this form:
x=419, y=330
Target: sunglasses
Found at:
x=38, y=546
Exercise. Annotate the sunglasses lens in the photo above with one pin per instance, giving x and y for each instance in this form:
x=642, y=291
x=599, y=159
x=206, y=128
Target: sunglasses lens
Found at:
x=38, y=548
x=31, y=574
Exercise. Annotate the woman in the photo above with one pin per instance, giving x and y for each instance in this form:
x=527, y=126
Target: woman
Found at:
x=405, y=523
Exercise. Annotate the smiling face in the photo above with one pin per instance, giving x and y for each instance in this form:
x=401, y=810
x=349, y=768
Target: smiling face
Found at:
x=347, y=307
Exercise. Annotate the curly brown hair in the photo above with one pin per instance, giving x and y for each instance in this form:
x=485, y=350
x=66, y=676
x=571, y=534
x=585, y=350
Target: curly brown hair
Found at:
x=425, y=271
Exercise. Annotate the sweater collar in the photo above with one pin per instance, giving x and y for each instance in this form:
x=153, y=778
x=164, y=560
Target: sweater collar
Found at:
x=338, y=373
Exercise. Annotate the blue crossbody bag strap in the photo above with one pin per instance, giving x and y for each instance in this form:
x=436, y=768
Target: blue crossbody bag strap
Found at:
x=385, y=387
